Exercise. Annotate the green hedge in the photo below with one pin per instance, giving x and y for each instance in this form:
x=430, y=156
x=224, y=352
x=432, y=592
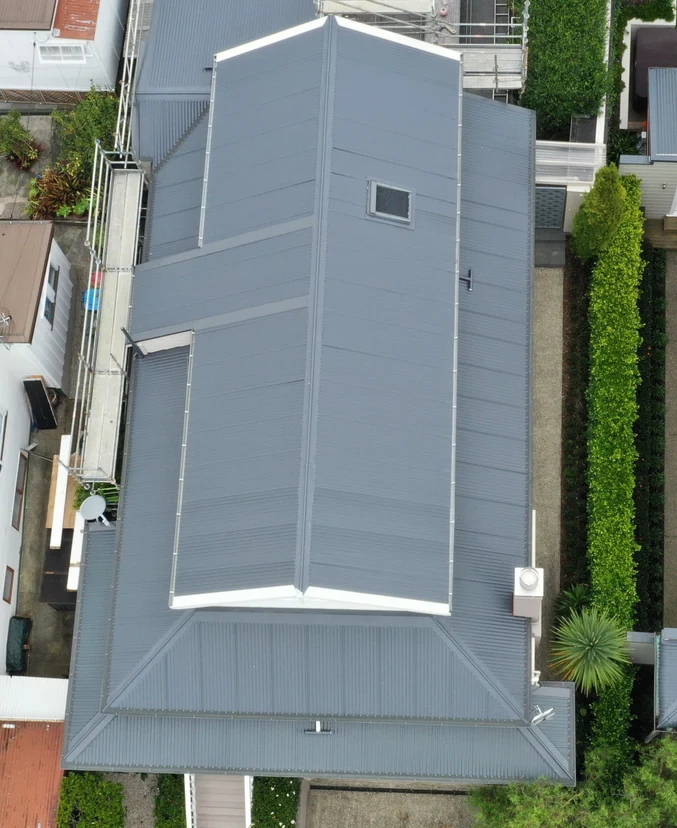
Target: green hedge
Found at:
x=612, y=401
x=87, y=800
x=567, y=72
x=275, y=801
x=170, y=802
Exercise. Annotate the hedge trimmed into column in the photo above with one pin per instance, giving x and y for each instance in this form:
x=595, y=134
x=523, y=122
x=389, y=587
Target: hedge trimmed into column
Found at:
x=612, y=400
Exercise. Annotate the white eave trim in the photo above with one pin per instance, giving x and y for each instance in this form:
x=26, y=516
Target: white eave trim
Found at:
x=403, y=40
x=165, y=343
x=270, y=39
x=281, y=597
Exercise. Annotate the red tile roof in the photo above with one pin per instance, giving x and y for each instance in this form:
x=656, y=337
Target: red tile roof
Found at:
x=76, y=19
x=30, y=774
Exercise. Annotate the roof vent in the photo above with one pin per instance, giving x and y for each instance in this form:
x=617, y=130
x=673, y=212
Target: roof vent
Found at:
x=528, y=592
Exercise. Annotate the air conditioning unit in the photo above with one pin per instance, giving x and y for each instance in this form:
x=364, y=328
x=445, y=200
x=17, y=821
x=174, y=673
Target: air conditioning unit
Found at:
x=528, y=593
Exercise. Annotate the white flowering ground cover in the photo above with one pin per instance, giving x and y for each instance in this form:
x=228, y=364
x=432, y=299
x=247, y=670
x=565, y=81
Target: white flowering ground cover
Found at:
x=275, y=801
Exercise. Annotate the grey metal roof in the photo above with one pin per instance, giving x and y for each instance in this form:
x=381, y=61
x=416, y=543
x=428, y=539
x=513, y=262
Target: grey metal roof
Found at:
x=348, y=372
x=410, y=696
x=174, y=75
x=175, y=197
x=493, y=461
x=667, y=680
x=663, y=114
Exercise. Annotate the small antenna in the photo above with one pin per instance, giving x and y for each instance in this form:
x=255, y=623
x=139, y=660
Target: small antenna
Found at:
x=543, y=715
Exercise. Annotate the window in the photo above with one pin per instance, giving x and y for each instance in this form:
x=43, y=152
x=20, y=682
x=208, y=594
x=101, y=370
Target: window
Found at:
x=50, y=294
x=389, y=202
x=8, y=587
x=17, y=509
x=62, y=54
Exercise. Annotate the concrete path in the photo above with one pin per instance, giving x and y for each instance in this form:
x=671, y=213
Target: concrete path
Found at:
x=547, y=423
x=670, y=543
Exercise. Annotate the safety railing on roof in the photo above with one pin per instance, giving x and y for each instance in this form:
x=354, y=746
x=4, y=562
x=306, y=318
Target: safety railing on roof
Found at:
x=112, y=239
x=123, y=133
x=567, y=162
x=495, y=53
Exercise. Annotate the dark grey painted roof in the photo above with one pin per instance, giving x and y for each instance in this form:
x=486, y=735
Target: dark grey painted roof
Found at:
x=352, y=386
x=174, y=76
x=280, y=745
x=403, y=688
x=176, y=194
x=663, y=114
x=667, y=680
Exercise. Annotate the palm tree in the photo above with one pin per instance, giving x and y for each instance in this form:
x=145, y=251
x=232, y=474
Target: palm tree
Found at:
x=590, y=648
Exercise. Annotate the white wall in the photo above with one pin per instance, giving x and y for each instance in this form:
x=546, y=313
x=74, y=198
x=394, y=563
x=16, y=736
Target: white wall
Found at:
x=49, y=343
x=21, y=68
x=13, y=400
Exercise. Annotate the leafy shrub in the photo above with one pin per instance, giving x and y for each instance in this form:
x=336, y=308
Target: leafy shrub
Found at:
x=567, y=72
x=77, y=129
x=612, y=399
x=170, y=802
x=597, y=220
x=16, y=142
x=275, y=801
x=573, y=600
x=107, y=490
x=589, y=646
x=647, y=799
x=61, y=190
x=87, y=800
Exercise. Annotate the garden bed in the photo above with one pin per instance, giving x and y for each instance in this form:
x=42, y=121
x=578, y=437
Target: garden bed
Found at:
x=275, y=802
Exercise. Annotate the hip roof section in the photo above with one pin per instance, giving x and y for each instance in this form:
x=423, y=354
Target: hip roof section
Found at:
x=318, y=451
x=27, y=14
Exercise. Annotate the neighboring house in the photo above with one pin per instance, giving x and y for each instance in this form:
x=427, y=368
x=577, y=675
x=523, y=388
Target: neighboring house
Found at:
x=60, y=45
x=658, y=169
x=326, y=507
x=35, y=300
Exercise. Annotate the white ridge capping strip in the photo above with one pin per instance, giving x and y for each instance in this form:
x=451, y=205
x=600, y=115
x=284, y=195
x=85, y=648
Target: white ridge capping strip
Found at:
x=56, y=531
x=270, y=39
x=313, y=598
x=165, y=343
x=403, y=40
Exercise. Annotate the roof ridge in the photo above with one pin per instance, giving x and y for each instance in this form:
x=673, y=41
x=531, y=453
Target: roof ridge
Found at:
x=486, y=677
x=94, y=727
x=191, y=127
x=535, y=736
x=155, y=653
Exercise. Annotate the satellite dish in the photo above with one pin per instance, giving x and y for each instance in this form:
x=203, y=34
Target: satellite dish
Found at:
x=543, y=715
x=93, y=508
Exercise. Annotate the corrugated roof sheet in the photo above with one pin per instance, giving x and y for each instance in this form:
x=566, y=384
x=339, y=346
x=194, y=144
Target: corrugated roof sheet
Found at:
x=163, y=122
x=663, y=114
x=667, y=680
x=176, y=194
x=373, y=667
x=493, y=471
x=30, y=774
x=381, y=398
x=26, y=14
x=184, y=37
x=484, y=649
x=77, y=19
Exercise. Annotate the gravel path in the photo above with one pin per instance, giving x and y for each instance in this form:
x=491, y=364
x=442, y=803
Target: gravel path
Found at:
x=140, y=790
